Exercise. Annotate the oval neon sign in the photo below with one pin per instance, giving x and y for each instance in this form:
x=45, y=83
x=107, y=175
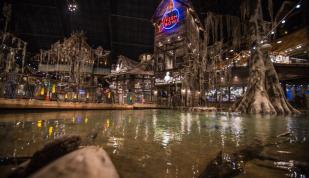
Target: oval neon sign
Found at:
x=170, y=19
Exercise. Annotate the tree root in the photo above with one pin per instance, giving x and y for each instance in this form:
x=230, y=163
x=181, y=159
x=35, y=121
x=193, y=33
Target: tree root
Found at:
x=264, y=94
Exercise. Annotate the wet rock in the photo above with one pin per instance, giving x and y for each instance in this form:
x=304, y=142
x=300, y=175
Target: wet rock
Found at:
x=217, y=127
x=250, y=152
x=91, y=137
x=285, y=134
x=226, y=166
x=231, y=165
x=295, y=168
x=220, y=168
x=47, y=154
x=90, y=162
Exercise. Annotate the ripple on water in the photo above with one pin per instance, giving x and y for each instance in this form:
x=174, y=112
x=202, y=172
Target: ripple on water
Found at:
x=160, y=143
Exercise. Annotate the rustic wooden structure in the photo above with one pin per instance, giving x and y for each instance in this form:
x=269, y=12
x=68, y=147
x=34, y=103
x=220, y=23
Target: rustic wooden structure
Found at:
x=75, y=65
x=132, y=82
x=12, y=53
x=177, y=46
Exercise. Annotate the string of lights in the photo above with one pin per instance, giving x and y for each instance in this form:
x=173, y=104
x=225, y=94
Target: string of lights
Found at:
x=283, y=20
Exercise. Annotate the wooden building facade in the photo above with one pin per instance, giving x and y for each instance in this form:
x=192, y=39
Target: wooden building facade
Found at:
x=132, y=82
x=177, y=48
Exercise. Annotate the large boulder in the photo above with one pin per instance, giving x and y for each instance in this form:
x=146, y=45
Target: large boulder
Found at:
x=46, y=155
x=90, y=162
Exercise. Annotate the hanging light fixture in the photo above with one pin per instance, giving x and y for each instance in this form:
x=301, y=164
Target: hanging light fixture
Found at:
x=72, y=5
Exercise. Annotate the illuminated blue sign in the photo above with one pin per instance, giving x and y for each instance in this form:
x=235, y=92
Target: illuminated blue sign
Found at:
x=170, y=17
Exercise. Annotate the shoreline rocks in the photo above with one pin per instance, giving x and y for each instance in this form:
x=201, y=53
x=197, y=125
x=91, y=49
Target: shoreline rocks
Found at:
x=90, y=162
x=66, y=158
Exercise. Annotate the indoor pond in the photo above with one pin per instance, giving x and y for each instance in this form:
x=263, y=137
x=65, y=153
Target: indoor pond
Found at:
x=165, y=143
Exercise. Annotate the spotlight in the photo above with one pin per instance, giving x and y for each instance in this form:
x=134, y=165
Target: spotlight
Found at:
x=72, y=6
x=279, y=42
x=298, y=6
x=283, y=21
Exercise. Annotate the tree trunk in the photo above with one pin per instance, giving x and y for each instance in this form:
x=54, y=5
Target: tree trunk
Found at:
x=264, y=94
x=275, y=91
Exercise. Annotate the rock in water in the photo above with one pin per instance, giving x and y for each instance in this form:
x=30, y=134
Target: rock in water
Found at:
x=227, y=166
x=89, y=162
x=47, y=154
x=220, y=168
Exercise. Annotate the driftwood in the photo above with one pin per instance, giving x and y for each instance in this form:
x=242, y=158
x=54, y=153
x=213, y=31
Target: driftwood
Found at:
x=49, y=153
x=90, y=162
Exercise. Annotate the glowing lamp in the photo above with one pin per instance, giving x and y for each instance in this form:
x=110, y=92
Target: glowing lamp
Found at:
x=54, y=88
x=50, y=130
x=42, y=91
x=39, y=123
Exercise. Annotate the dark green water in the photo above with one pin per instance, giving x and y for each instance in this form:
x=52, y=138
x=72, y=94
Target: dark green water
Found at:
x=160, y=143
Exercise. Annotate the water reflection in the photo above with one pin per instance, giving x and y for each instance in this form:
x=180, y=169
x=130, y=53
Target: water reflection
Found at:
x=149, y=143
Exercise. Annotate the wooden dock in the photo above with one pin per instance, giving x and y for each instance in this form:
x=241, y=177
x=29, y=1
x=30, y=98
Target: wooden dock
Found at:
x=54, y=105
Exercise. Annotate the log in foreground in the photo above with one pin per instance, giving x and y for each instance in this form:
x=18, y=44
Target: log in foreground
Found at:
x=90, y=162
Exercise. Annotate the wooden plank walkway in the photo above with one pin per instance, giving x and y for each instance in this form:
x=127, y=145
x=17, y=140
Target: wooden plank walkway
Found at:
x=54, y=105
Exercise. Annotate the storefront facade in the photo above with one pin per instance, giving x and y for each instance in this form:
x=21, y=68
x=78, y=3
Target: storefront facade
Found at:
x=177, y=45
x=131, y=82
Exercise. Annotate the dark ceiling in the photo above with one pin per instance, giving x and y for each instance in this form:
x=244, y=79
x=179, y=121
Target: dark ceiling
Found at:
x=122, y=26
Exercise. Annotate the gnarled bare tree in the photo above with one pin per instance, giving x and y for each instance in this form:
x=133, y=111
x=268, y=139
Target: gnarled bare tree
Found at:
x=264, y=94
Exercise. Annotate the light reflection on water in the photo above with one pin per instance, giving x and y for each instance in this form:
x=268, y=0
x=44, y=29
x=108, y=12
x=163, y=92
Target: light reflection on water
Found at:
x=151, y=143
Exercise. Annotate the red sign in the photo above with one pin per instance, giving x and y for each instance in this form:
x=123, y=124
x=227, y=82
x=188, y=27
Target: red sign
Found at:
x=170, y=19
